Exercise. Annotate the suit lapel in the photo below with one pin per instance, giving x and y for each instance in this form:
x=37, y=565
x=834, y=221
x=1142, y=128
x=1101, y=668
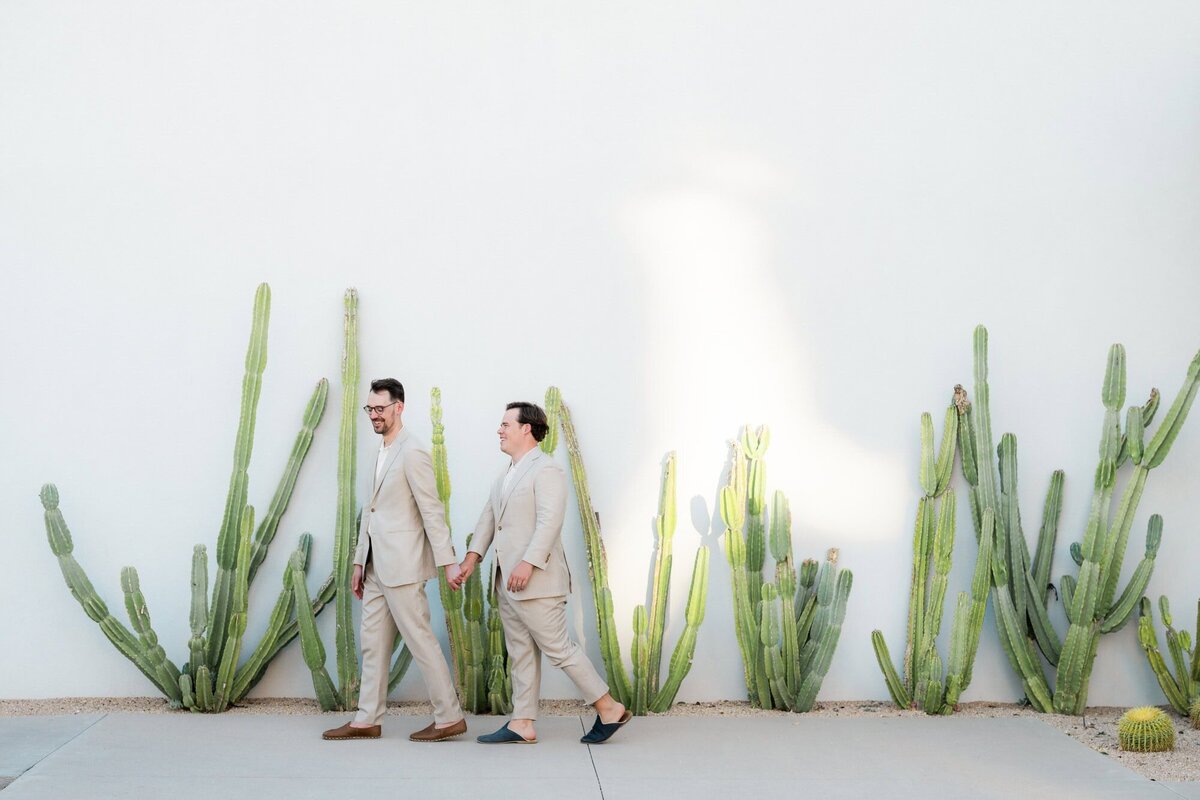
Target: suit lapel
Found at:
x=393, y=454
x=523, y=470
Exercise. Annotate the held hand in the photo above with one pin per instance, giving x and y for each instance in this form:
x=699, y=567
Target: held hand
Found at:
x=356, y=581
x=454, y=576
x=518, y=579
x=467, y=567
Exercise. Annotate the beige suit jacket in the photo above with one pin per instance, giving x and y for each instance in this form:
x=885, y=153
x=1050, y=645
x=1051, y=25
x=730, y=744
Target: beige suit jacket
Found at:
x=403, y=530
x=525, y=524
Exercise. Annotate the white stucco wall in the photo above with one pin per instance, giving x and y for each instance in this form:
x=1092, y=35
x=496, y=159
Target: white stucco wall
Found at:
x=687, y=216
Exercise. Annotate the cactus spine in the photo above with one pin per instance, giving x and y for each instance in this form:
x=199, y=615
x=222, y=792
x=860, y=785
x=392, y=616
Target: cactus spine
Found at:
x=476, y=650
x=645, y=693
x=933, y=546
x=1019, y=581
x=787, y=630
x=1146, y=730
x=217, y=628
x=1182, y=689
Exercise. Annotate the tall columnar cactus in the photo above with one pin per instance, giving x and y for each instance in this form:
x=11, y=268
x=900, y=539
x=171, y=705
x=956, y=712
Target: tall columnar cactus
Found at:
x=475, y=649
x=344, y=695
x=1019, y=581
x=1183, y=688
x=933, y=546
x=211, y=680
x=645, y=693
x=787, y=630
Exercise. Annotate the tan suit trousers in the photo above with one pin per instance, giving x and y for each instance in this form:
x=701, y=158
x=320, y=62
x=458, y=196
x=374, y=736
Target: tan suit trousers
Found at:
x=386, y=610
x=536, y=627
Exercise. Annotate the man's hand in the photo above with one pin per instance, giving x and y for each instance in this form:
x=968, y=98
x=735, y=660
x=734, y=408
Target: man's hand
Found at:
x=454, y=576
x=467, y=567
x=356, y=582
x=518, y=579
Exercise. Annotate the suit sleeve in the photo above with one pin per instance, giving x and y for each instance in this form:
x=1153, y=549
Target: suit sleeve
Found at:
x=485, y=529
x=550, y=499
x=418, y=469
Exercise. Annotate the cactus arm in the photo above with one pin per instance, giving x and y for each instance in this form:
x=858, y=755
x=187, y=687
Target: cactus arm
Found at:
x=928, y=474
x=640, y=653
x=610, y=647
x=923, y=535
x=400, y=666
x=247, y=675
x=967, y=626
x=187, y=696
x=345, y=527
x=945, y=460
x=685, y=648
x=943, y=550
x=1148, y=639
x=238, y=614
x=664, y=525
x=269, y=525
x=452, y=601
x=310, y=639
x=235, y=500
x=203, y=687
x=1032, y=677
x=895, y=686
x=139, y=617
x=1067, y=587
x=1123, y=608
x=553, y=405
x=819, y=666
x=1168, y=430
x=1039, y=620
x=61, y=544
x=1048, y=534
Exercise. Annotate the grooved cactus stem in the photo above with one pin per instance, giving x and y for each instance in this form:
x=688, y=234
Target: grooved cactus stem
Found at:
x=1182, y=689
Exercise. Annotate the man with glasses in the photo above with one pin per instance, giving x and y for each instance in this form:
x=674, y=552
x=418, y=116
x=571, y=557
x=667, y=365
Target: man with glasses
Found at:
x=402, y=541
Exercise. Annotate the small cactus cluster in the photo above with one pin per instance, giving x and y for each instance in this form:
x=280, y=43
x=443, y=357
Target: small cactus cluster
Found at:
x=1182, y=689
x=212, y=680
x=646, y=692
x=933, y=545
x=1146, y=729
x=482, y=668
x=787, y=630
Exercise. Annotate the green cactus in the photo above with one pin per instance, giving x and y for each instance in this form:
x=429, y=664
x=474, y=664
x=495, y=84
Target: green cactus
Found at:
x=1146, y=730
x=1019, y=581
x=472, y=642
x=645, y=692
x=1182, y=689
x=933, y=546
x=217, y=629
x=787, y=631
x=1194, y=714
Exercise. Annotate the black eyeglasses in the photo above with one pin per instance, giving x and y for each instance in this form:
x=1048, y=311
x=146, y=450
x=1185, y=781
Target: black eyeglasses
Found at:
x=378, y=409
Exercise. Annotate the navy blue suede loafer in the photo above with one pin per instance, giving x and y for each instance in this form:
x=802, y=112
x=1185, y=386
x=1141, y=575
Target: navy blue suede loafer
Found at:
x=603, y=731
x=504, y=736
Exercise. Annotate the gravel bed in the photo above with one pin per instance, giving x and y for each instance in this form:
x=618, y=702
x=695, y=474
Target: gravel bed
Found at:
x=1097, y=728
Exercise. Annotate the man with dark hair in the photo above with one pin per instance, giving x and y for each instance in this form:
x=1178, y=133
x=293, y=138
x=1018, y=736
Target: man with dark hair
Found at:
x=402, y=541
x=524, y=518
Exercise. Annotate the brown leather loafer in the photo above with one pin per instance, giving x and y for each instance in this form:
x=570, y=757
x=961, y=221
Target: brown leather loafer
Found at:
x=348, y=731
x=436, y=734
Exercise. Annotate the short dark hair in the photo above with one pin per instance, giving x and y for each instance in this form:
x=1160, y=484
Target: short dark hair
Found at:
x=531, y=414
x=389, y=385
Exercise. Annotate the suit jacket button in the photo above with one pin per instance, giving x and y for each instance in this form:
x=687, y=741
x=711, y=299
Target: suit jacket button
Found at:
x=498, y=527
x=372, y=509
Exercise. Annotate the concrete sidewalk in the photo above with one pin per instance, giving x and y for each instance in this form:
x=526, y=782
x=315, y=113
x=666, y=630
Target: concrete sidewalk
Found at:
x=190, y=756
